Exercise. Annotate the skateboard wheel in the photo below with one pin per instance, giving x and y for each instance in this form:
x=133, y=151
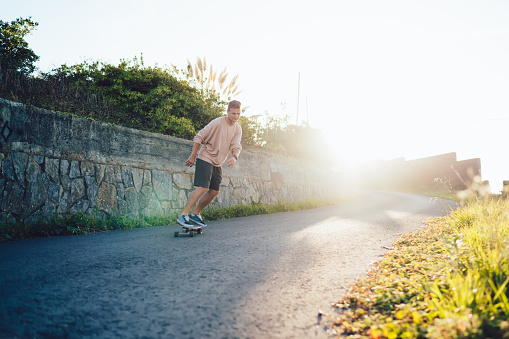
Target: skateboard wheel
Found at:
x=191, y=233
x=176, y=234
x=198, y=231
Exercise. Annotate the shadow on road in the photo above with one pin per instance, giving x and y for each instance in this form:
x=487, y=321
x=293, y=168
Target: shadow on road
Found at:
x=261, y=277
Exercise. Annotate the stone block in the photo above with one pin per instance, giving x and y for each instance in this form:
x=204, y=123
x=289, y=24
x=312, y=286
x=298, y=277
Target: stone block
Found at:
x=183, y=180
x=147, y=177
x=166, y=207
x=49, y=209
x=12, y=198
x=137, y=178
x=131, y=203
x=65, y=181
x=92, y=194
x=144, y=197
x=120, y=191
x=39, y=159
x=100, y=169
x=55, y=191
x=162, y=183
x=112, y=174
x=92, y=188
x=52, y=166
x=64, y=167
x=127, y=177
x=75, y=172
x=154, y=208
x=8, y=169
x=180, y=202
x=19, y=162
x=225, y=182
x=77, y=189
x=80, y=206
x=36, y=193
x=64, y=203
x=87, y=169
x=106, y=199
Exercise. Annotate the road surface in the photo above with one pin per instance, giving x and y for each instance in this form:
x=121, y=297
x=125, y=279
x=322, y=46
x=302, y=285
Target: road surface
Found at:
x=256, y=277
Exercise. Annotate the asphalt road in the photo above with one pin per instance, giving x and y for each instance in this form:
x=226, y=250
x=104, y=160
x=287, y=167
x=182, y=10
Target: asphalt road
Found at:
x=255, y=277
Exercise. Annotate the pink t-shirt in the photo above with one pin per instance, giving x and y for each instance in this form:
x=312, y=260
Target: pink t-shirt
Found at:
x=218, y=139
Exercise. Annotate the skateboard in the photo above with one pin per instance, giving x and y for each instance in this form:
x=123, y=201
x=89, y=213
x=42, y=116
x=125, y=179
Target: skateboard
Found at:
x=188, y=231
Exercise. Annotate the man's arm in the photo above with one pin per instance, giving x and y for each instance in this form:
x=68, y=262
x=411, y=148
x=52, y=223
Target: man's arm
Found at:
x=235, y=148
x=190, y=161
x=233, y=160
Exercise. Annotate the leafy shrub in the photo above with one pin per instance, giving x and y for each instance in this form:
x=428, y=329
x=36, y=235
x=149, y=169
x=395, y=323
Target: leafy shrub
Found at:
x=129, y=94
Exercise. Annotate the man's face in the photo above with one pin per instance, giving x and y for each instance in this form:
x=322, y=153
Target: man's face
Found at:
x=233, y=114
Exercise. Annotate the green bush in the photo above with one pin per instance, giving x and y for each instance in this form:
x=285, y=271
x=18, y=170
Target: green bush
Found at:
x=129, y=94
x=146, y=98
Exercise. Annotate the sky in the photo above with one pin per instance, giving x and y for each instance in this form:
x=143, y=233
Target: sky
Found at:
x=382, y=79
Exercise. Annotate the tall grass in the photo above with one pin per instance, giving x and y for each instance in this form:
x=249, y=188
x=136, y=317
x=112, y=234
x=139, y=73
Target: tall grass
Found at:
x=474, y=293
x=449, y=280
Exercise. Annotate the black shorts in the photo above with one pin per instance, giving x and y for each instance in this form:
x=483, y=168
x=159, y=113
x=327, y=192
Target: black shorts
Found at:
x=207, y=175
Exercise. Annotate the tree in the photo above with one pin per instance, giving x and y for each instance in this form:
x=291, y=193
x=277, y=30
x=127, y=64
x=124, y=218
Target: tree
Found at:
x=15, y=56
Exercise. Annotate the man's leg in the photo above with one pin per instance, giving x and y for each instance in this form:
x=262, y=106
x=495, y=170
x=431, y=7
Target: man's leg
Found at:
x=205, y=200
x=193, y=198
x=214, y=186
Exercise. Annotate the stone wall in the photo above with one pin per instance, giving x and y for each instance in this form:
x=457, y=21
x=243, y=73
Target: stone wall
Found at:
x=57, y=164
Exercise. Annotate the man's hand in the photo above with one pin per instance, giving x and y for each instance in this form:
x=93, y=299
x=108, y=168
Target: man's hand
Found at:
x=191, y=160
x=231, y=162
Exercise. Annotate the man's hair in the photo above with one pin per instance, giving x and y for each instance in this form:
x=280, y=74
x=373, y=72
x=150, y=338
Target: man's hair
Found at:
x=234, y=104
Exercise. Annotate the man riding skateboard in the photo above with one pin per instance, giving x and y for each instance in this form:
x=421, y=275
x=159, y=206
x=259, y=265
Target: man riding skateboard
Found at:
x=219, y=138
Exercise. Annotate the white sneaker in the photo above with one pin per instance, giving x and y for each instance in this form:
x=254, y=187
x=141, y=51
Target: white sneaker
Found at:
x=197, y=219
x=183, y=220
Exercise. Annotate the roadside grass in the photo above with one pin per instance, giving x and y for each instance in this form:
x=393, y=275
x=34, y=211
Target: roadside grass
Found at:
x=441, y=194
x=447, y=280
x=256, y=208
x=82, y=223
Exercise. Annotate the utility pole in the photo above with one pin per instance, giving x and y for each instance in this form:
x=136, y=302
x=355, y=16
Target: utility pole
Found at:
x=298, y=99
x=307, y=109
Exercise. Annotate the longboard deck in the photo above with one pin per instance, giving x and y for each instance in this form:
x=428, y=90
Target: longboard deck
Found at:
x=189, y=231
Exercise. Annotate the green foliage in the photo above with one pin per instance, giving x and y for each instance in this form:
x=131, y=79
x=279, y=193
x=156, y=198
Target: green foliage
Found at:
x=249, y=131
x=447, y=281
x=15, y=56
x=128, y=94
x=147, y=98
x=277, y=135
x=274, y=134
